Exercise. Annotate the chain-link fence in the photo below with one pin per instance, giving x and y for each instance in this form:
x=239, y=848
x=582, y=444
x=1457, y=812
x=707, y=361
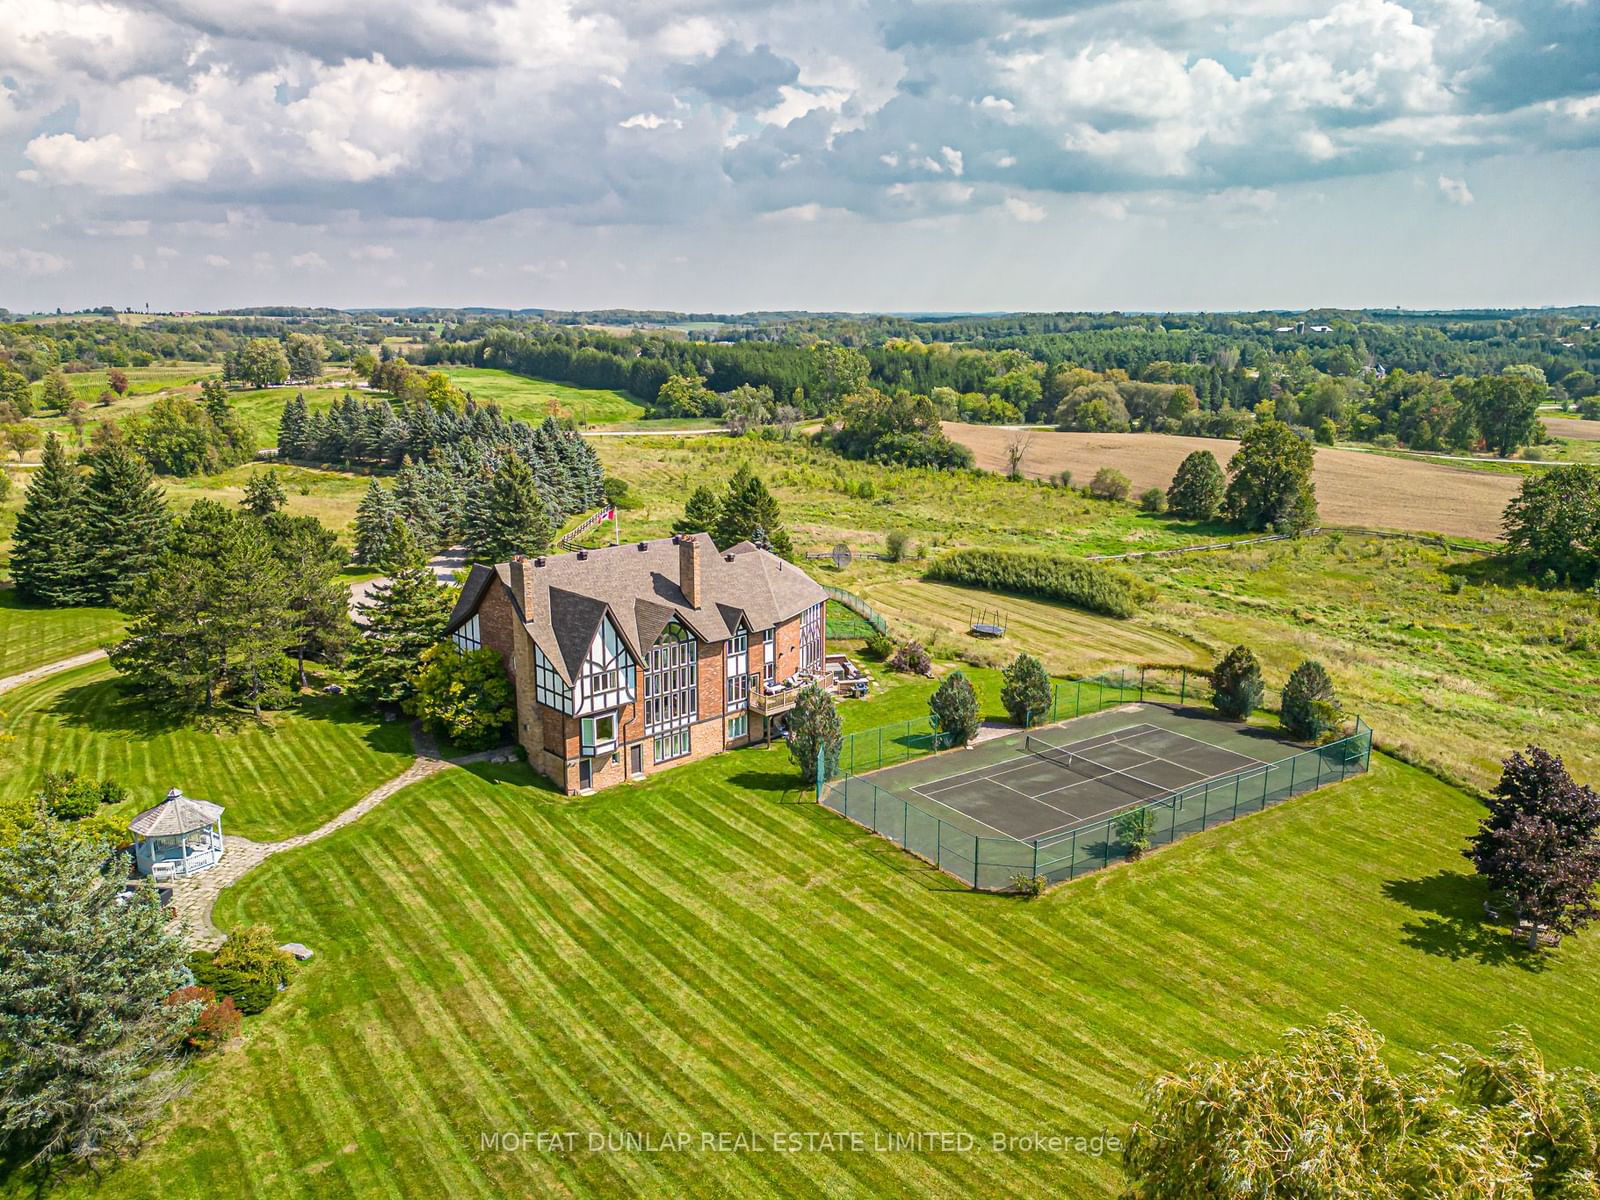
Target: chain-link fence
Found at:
x=1000, y=864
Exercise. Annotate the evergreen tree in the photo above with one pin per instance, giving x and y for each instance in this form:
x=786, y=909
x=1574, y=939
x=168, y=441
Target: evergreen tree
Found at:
x=511, y=519
x=292, y=428
x=258, y=627
x=126, y=520
x=406, y=616
x=815, y=730
x=375, y=518
x=953, y=709
x=87, y=1040
x=47, y=550
x=1236, y=687
x=263, y=494
x=1197, y=488
x=747, y=508
x=1025, y=690
x=701, y=513
x=312, y=559
x=1309, y=708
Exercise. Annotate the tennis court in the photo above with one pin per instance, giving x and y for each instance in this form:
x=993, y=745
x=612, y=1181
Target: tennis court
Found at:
x=1052, y=787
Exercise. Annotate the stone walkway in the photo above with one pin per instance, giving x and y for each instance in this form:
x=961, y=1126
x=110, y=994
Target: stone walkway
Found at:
x=193, y=899
x=55, y=668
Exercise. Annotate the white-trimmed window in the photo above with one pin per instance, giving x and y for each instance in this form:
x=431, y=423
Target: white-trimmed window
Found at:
x=811, y=638
x=738, y=726
x=669, y=746
x=549, y=688
x=599, y=734
x=671, y=692
x=606, y=678
x=736, y=693
x=467, y=637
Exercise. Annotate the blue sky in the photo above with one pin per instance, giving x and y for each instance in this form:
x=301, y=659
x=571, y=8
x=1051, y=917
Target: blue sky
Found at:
x=870, y=154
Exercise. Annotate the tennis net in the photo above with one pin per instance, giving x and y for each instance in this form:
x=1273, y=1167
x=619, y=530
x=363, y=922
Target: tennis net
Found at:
x=1089, y=770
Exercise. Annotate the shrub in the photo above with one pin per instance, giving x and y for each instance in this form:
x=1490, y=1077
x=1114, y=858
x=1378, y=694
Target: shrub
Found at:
x=464, y=696
x=1028, y=886
x=912, y=659
x=216, y=1022
x=1134, y=830
x=879, y=646
x=1309, y=710
x=953, y=708
x=67, y=797
x=1025, y=690
x=1064, y=479
x=1091, y=586
x=1327, y=431
x=1236, y=687
x=253, y=953
x=250, y=996
x=1110, y=484
x=897, y=544
x=1153, y=500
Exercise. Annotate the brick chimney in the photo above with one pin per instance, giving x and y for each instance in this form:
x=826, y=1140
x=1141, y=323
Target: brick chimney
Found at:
x=522, y=584
x=689, y=569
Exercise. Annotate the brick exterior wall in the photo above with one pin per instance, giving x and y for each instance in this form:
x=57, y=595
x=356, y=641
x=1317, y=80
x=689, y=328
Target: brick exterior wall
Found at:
x=552, y=740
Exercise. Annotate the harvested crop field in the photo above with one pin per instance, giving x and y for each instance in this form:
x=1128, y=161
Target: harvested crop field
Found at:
x=1572, y=427
x=1353, y=488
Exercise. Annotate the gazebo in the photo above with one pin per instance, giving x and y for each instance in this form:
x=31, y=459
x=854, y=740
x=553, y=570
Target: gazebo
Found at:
x=177, y=838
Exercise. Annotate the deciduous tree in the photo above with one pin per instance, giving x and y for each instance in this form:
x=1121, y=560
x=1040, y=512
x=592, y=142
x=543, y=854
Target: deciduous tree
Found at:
x=1553, y=523
x=464, y=696
x=1540, y=844
x=1271, y=481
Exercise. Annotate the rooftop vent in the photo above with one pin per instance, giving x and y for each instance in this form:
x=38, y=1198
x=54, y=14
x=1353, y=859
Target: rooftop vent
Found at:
x=539, y=562
x=676, y=538
x=644, y=545
x=727, y=558
x=582, y=554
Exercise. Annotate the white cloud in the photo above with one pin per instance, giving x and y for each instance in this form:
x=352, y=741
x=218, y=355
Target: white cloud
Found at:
x=136, y=262
x=215, y=260
x=372, y=253
x=308, y=261
x=117, y=228
x=646, y=121
x=1455, y=191
x=32, y=262
x=1024, y=210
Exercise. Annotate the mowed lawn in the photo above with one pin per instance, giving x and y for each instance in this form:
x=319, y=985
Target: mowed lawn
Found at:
x=31, y=636
x=712, y=953
x=531, y=400
x=284, y=776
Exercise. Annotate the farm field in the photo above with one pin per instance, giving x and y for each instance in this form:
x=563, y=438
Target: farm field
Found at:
x=284, y=776
x=31, y=636
x=827, y=499
x=710, y=951
x=1572, y=427
x=1067, y=640
x=1353, y=488
x=532, y=400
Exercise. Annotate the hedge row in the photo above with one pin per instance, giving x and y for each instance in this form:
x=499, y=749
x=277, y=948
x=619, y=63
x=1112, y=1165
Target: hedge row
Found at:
x=1098, y=588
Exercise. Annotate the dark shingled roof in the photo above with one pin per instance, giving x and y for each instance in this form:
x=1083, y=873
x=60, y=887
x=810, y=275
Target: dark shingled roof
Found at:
x=639, y=585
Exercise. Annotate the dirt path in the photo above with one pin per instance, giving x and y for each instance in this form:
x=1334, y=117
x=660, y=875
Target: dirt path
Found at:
x=1571, y=427
x=55, y=668
x=1353, y=488
x=193, y=899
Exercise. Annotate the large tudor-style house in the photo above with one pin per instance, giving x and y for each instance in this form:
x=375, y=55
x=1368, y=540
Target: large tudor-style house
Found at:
x=629, y=659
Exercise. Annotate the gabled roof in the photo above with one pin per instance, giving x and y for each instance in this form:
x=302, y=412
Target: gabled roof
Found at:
x=639, y=587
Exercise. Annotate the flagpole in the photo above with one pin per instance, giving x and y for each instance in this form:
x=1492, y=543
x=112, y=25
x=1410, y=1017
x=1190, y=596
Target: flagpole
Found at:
x=616, y=526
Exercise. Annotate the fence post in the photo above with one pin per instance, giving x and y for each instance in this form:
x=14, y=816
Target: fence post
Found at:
x=1183, y=685
x=1205, y=807
x=880, y=745
x=1236, y=782
x=1319, y=769
x=1035, y=858
x=1294, y=764
x=1072, y=861
x=1122, y=684
x=905, y=824
x=1077, y=697
x=1266, y=778
x=974, y=862
x=1141, y=685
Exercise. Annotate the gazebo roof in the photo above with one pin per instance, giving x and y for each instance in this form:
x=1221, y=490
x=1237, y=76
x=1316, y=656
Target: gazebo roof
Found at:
x=177, y=814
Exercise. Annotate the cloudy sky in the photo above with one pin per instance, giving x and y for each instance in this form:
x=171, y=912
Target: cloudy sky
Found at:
x=827, y=154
